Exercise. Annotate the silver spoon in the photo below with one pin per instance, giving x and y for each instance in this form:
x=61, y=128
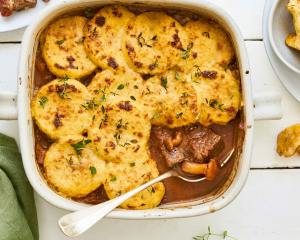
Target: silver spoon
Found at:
x=78, y=222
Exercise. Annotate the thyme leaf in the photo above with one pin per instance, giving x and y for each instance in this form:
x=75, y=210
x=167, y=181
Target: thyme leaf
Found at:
x=164, y=82
x=93, y=170
x=43, y=101
x=113, y=179
x=155, y=116
x=80, y=145
x=132, y=164
x=186, y=53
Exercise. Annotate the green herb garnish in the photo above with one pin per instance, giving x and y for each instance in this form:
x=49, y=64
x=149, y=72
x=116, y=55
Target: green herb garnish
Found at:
x=43, y=101
x=133, y=98
x=132, y=164
x=207, y=235
x=155, y=63
x=214, y=103
x=206, y=34
x=80, y=145
x=187, y=52
x=142, y=41
x=113, y=179
x=155, y=116
x=93, y=170
x=121, y=86
x=164, y=82
x=60, y=42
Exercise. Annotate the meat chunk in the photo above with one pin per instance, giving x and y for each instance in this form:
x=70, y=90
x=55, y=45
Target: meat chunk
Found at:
x=203, y=144
x=8, y=7
x=172, y=157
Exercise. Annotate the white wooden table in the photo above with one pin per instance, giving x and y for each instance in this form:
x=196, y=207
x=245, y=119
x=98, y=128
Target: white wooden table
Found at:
x=267, y=207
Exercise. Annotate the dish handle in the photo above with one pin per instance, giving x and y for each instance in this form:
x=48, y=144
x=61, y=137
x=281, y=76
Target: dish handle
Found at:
x=267, y=106
x=8, y=106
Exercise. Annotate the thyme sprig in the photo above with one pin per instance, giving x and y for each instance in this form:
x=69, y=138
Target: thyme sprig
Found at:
x=214, y=103
x=197, y=74
x=80, y=145
x=207, y=235
x=155, y=63
x=206, y=34
x=187, y=52
x=63, y=94
x=90, y=104
x=142, y=42
x=164, y=82
x=104, y=120
x=120, y=124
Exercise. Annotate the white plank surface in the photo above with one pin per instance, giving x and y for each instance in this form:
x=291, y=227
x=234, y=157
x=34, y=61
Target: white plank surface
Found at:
x=247, y=14
x=267, y=206
x=9, y=54
x=266, y=209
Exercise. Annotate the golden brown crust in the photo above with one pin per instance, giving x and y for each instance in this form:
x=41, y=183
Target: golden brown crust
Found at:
x=288, y=141
x=62, y=48
x=103, y=37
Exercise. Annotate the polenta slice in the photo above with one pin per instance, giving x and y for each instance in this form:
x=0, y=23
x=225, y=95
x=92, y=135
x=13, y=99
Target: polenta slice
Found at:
x=63, y=50
x=219, y=97
x=103, y=37
x=209, y=45
x=72, y=174
x=122, y=178
x=177, y=102
x=60, y=108
x=153, y=42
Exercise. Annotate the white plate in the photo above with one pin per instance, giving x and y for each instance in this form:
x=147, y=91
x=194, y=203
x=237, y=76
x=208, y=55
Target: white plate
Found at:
x=22, y=18
x=289, y=78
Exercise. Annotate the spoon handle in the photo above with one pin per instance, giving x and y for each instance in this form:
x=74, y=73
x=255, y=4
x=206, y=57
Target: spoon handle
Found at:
x=76, y=223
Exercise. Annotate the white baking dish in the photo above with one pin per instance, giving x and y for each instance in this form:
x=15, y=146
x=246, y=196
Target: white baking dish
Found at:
x=267, y=106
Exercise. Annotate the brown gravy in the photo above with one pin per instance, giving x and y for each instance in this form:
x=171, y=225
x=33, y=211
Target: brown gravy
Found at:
x=177, y=190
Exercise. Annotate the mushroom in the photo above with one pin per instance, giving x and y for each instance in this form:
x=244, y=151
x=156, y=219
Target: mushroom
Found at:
x=210, y=170
x=293, y=40
x=174, y=142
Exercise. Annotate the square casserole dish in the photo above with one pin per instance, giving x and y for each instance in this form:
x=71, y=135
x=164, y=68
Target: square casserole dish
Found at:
x=26, y=69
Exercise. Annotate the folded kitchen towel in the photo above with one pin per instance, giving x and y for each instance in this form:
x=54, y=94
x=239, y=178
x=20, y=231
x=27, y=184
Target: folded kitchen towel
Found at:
x=18, y=217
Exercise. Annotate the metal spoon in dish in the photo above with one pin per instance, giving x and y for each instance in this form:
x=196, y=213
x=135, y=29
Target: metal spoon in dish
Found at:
x=76, y=223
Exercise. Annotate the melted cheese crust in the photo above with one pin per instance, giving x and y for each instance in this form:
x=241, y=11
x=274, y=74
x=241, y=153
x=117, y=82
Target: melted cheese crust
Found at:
x=190, y=82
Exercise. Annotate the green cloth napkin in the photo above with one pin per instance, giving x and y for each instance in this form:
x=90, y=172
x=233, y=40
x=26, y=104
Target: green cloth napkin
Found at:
x=18, y=218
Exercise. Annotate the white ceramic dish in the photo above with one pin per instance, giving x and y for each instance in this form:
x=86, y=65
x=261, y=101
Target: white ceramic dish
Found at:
x=22, y=18
x=289, y=78
x=267, y=106
x=280, y=26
